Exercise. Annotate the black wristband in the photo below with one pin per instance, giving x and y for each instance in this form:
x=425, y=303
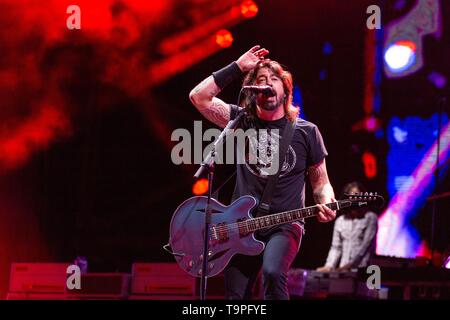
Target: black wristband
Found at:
x=226, y=75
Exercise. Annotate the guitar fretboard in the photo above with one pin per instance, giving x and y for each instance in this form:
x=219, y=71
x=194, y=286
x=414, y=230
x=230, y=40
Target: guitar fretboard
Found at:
x=258, y=223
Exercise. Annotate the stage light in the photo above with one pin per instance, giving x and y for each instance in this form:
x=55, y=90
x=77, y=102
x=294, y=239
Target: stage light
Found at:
x=437, y=79
x=410, y=176
x=370, y=164
x=447, y=263
x=399, y=134
x=403, y=41
x=249, y=9
x=224, y=38
x=327, y=48
x=400, y=56
x=323, y=74
x=191, y=45
x=200, y=187
x=32, y=135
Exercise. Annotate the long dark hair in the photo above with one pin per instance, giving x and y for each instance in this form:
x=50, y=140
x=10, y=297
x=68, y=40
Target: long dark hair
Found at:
x=286, y=77
x=349, y=186
x=346, y=190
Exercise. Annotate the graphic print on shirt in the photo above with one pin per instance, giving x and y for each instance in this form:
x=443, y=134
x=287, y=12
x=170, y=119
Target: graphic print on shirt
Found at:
x=259, y=159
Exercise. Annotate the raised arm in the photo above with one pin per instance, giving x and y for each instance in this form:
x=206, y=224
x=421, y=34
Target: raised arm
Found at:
x=203, y=96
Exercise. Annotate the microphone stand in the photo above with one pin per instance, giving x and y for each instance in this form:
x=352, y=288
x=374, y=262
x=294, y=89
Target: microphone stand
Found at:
x=208, y=166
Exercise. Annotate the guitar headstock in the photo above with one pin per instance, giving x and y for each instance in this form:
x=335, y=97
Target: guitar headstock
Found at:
x=363, y=199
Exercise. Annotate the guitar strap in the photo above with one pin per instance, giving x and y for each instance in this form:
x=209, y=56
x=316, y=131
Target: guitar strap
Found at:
x=266, y=198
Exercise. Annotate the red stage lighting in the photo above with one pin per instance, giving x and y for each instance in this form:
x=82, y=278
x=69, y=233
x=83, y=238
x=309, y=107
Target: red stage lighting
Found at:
x=200, y=187
x=224, y=38
x=249, y=9
x=370, y=164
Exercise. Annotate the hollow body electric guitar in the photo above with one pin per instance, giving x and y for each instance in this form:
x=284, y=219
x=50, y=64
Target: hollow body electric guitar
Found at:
x=232, y=229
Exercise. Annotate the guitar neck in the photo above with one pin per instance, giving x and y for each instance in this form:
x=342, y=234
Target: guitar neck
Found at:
x=259, y=223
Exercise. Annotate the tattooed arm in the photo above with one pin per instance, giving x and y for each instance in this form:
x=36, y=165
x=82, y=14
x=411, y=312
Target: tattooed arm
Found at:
x=322, y=189
x=203, y=96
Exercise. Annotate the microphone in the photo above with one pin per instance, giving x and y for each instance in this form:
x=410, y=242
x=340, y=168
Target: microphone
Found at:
x=265, y=90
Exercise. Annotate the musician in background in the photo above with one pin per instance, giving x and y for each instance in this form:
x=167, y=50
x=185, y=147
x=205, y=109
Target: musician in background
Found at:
x=353, y=237
x=306, y=155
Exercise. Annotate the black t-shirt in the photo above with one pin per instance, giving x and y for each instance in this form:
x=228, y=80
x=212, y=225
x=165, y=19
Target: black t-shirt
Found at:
x=306, y=149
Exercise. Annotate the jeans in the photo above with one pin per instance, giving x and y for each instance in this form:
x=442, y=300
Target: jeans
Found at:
x=282, y=246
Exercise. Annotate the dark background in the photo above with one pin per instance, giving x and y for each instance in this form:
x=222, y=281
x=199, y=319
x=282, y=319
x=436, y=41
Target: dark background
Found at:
x=108, y=189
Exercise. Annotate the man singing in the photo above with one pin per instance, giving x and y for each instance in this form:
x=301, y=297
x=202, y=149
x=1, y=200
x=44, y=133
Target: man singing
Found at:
x=305, y=156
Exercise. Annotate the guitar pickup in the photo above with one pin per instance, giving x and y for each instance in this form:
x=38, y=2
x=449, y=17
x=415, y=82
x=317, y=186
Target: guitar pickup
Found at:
x=220, y=232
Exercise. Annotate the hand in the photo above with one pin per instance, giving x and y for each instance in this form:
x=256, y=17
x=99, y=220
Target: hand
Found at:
x=325, y=214
x=250, y=59
x=346, y=267
x=324, y=269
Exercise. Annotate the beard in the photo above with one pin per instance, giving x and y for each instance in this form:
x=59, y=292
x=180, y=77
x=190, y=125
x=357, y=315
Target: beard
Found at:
x=270, y=105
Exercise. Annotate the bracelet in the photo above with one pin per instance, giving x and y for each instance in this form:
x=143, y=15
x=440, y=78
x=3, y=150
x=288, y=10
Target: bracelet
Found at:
x=226, y=75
